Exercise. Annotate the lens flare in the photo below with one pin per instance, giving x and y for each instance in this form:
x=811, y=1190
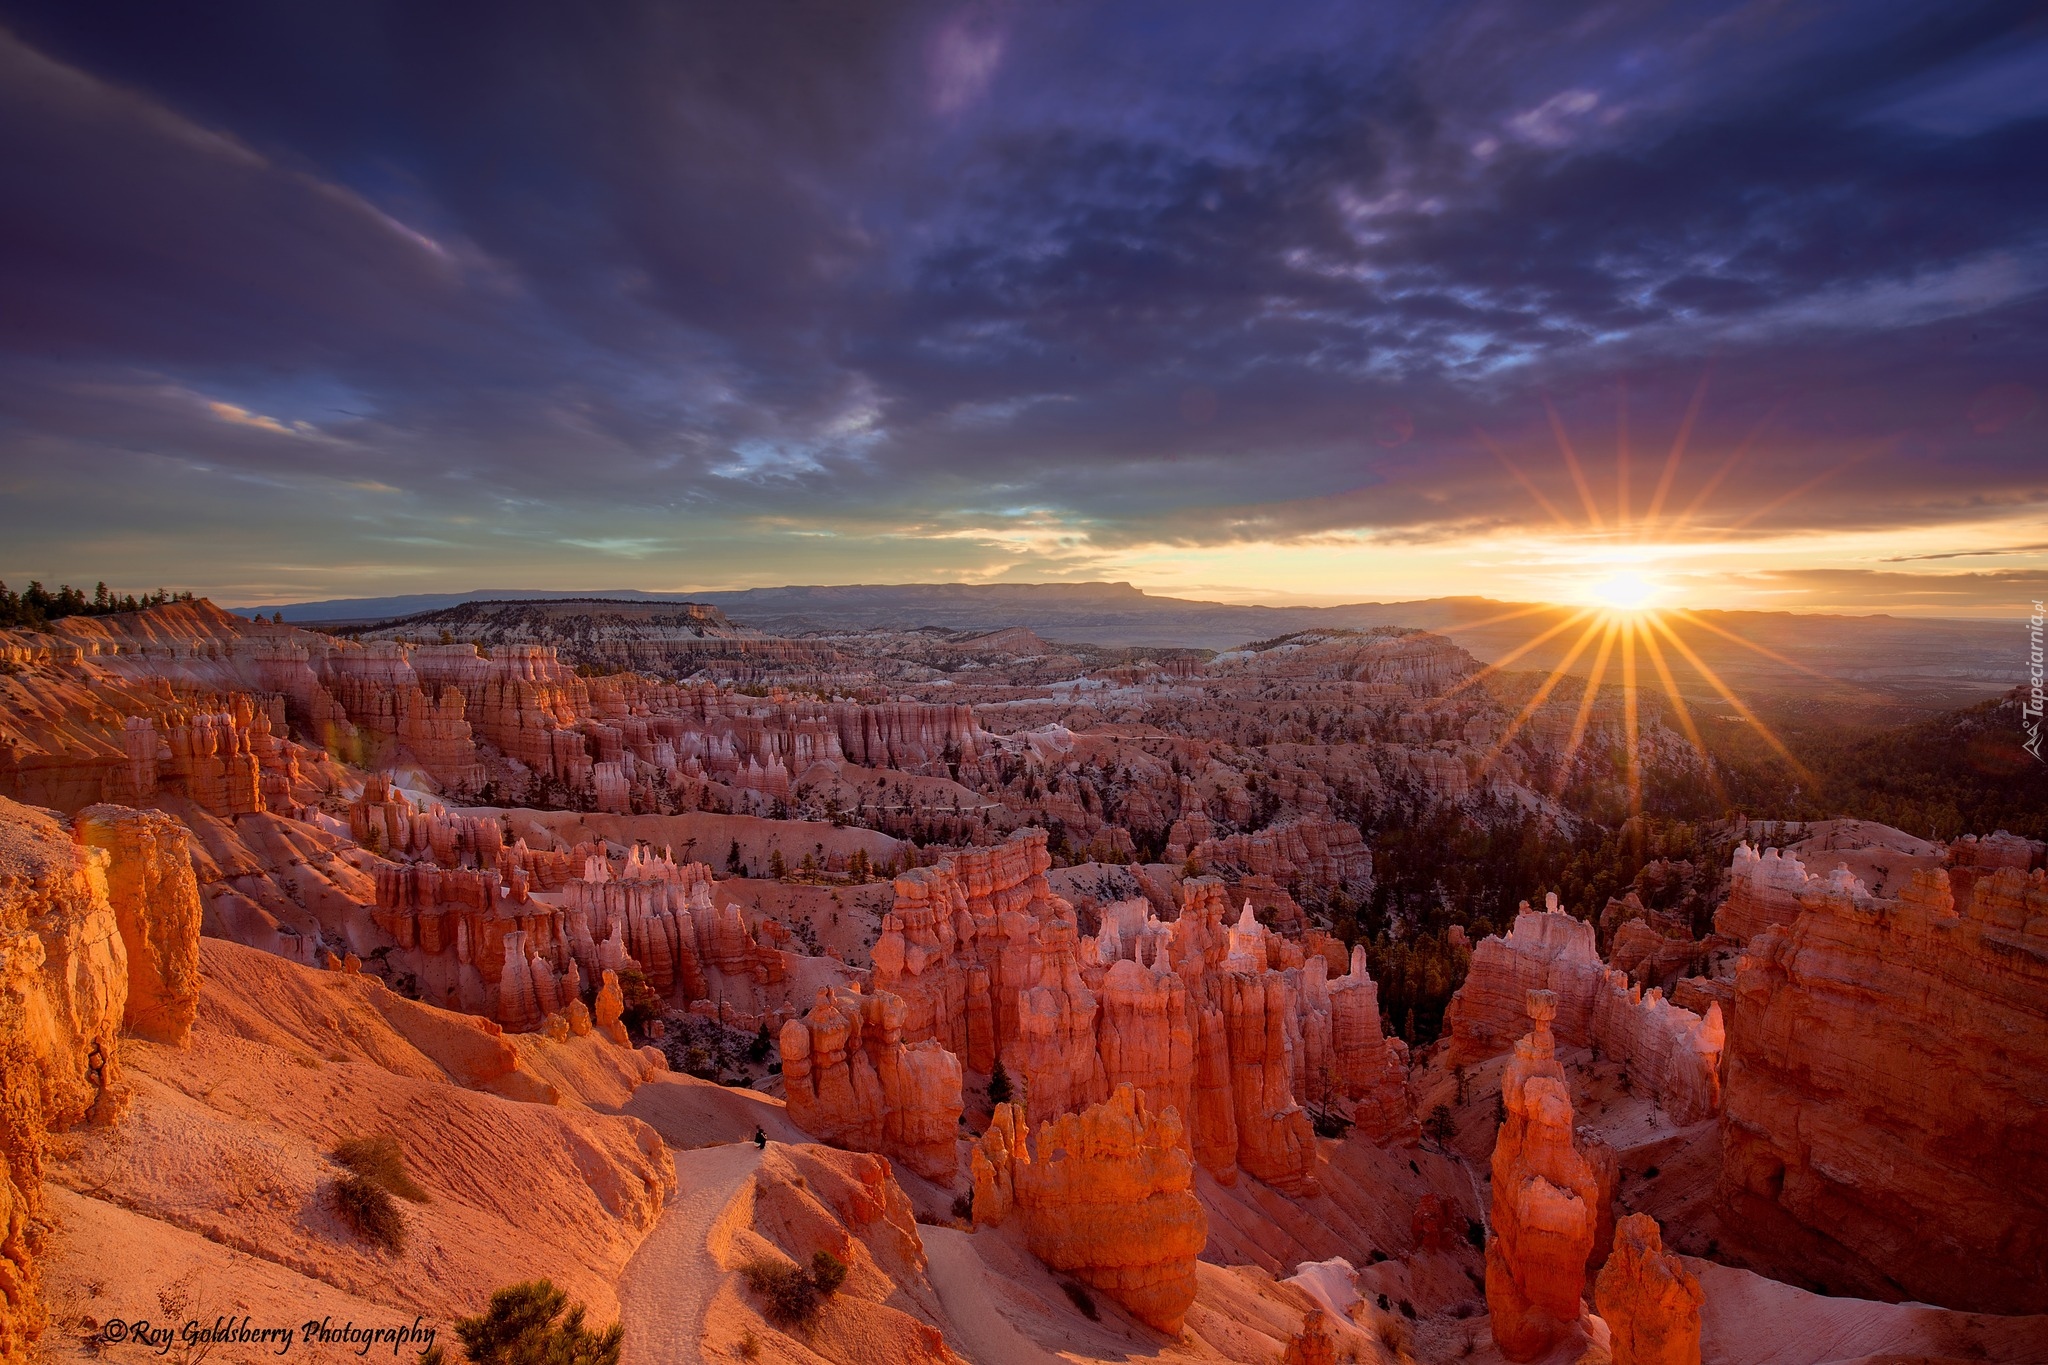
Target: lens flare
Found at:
x=1625, y=609
x=1628, y=590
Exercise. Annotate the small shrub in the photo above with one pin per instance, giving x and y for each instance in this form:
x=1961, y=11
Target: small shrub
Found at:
x=1650, y=1172
x=828, y=1272
x=370, y=1210
x=520, y=1327
x=998, y=1085
x=379, y=1159
x=1475, y=1233
x=1396, y=1337
x=748, y=1347
x=790, y=1294
x=1407, y=1310
x=1082, y=1300
x=963, y=1206
x=786, y=1291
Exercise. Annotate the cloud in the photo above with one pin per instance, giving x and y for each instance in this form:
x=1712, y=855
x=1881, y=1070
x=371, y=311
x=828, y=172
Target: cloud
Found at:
x=972, y=289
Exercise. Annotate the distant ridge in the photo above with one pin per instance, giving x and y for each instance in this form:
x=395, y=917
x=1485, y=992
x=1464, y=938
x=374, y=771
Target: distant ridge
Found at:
x=1916, y=661
x=366, y=609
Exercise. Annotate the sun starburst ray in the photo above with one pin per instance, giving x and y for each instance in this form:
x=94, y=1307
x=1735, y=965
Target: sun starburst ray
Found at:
x=1621, y=462
x=1677, y=455
x=1571, y=459
x=1766, y=651
x=1727, y=694
x=1586, y=700
x=1728, y=467
x=1564, y=522
x=1512, y=655
x=1542, y=695
x=1802, y=490
x=1630, y=717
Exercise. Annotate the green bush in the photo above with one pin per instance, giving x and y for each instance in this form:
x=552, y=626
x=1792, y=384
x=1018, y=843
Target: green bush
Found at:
x=828, y=1272
x=520, y=1328
x=787, y=1292
x=379, y=1159
x=370, y=1210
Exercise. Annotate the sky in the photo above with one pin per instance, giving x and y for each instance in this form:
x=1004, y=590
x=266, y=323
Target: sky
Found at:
x=1734, y=305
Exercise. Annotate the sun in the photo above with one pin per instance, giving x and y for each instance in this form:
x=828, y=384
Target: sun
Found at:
x=1628, y=591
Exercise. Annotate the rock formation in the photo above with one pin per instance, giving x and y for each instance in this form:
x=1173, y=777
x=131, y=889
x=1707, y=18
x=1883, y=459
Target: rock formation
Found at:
x=1674, y=1054
x=1226, y=1023
x=65, y=976
x=852, y=1080
x=1105, y=1195
x=1886, y=1128
x=1314, y=1344
x=1545, y=1198
x=1328, y=853
x=156, y=904
x=1370, y=1066
x=1649, y=1300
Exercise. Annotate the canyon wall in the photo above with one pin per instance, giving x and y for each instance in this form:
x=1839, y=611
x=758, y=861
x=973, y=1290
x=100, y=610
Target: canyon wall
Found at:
x=1886, y=1127
x=1672, y=1053
x=853, y=1081
x=86, y=917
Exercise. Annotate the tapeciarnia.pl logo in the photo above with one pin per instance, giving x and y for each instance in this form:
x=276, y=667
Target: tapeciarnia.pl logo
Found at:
x=2031, y=711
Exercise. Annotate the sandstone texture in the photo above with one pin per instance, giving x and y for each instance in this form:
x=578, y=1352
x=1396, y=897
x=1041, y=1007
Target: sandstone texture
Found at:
x=852, y=1080
x=99, y=926
x=156, y=903
x=1673, y=1053
x=1545, y=1201
x=1886, y=1129
x=1233, y=1027
x=1649, y=1300
x=63, y=991
x=1105, y=1195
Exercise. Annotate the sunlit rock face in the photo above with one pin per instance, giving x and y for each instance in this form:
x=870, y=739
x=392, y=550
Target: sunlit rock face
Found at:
x=1886, y=1128
x=1230, y=1025
x=156, y=904
x=1545, y=1201
x=99, y=930
x=1105, y=1195
x=852, y=1080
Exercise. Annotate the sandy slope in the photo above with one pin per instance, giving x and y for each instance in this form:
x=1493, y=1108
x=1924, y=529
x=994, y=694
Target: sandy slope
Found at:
x=672, y=1277
x=1749, y=1320
x=107, y=1262
x=980, y=1332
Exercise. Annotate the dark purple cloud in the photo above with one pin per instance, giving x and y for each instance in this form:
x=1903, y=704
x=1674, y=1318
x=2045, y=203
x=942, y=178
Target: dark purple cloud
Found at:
x=685, y=284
